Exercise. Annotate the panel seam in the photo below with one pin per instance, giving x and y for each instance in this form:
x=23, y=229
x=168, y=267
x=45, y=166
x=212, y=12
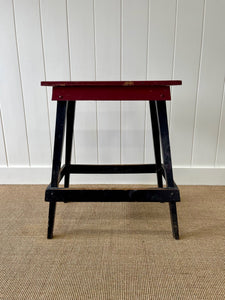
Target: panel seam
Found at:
x=220, y=123
x=198, y=83
x=146, y=71
x=95, y=64
x=4, y=143
x=174, y=59
x=45, y=76
x=21, y=85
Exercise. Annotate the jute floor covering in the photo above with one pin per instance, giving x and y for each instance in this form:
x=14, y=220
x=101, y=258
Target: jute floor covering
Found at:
x=112, y=250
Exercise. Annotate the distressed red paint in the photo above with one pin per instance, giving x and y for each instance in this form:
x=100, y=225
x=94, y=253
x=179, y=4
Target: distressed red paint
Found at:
x=111, y=90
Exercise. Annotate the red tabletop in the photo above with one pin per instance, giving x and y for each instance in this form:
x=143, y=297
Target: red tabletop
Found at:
x=111, y=90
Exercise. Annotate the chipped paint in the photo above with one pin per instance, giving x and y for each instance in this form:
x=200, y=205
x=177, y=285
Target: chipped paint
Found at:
x=128, y=83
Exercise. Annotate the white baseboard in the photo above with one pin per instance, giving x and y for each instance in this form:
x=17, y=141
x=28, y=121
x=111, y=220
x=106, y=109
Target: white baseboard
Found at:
x=182, y=176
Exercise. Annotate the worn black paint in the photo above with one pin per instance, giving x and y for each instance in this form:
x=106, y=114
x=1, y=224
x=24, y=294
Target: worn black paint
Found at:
x=170, y=193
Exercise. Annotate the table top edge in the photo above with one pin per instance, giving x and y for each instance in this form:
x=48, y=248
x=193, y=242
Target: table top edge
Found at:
x=111, y=83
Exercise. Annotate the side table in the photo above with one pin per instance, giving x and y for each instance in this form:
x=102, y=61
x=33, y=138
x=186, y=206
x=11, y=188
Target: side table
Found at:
x=66, y=94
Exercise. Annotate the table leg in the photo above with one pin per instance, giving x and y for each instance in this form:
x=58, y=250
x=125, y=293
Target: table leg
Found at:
x=156, y=142
x=51, y=219
x=69, y=138
x=174, y=221
x=164, y=135
x=57, y=156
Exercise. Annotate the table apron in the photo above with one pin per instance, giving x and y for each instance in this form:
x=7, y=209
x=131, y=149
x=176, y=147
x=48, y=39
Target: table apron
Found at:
x=72, y=93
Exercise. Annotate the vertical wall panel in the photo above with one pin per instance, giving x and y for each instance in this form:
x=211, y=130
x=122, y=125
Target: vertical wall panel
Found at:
x=161, y=39
x=134, y=59
x=82, y=55
x=188, y=48
x=220, y=157
x=32, y=72
x=11, y=96
x=81, y=38
x=149, y=150
x=54, y=26
x=86, y=132
x=107, y=37
x=162, y=36
x=3, y=154
x=162, y=16
x=55, y=44
x=211, y=83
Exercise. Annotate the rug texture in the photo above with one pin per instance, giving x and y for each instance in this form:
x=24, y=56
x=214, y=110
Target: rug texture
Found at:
x=112, y=250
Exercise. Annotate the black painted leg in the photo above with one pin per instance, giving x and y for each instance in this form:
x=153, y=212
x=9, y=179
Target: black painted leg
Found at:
x=57, y=156
x=164, y=135
x=51, y=219
x=69, y=138
x=156, y=142
x=165, y=142
x=174, y=221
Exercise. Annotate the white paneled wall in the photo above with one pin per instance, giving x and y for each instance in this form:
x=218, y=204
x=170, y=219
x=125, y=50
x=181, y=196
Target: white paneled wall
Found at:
x=112, y=40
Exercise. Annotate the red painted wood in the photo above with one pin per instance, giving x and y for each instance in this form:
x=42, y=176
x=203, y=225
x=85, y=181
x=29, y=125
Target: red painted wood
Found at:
x=111, y=93
x=111, y=83
x=111, y=90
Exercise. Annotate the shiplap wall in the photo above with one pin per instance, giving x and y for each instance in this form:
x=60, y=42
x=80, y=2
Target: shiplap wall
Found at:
x=112, y=40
